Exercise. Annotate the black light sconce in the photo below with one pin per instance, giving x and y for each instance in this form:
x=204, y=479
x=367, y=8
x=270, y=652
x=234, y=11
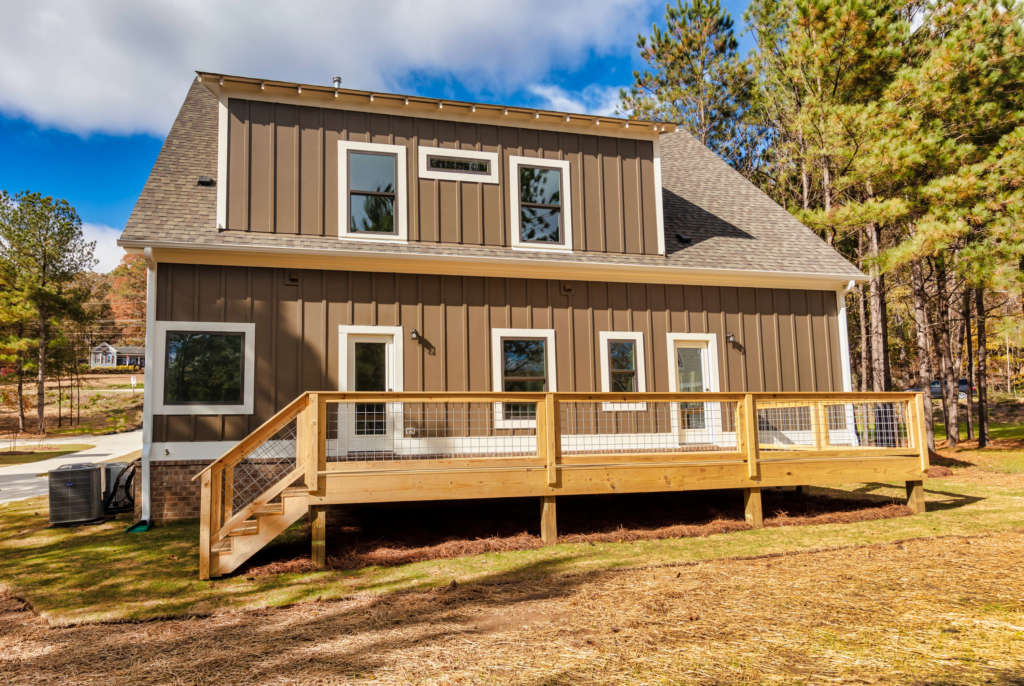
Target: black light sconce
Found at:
x=730, y=339
x=418, y=337
x=415, y=335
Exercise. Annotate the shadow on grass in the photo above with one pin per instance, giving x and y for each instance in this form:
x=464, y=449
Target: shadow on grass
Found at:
x=951, y=501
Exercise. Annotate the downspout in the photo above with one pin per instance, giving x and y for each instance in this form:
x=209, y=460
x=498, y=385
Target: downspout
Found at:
x=148, y=384
x=844, y=356
x=844, y=336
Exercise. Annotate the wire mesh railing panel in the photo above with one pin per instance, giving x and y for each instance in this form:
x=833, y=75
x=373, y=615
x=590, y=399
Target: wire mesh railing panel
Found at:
x=429, y=430
x=264, y=466
x=651, y=426
x=804, y=425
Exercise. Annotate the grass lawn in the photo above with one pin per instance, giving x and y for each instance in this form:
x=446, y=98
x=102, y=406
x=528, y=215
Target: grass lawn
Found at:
x=37, y=453
x=932, y=598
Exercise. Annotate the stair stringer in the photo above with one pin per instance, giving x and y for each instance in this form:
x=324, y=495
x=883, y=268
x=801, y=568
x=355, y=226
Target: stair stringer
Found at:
x=295, y=505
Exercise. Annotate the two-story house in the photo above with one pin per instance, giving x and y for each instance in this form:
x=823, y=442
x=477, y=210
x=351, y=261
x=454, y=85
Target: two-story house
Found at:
x=302, y=237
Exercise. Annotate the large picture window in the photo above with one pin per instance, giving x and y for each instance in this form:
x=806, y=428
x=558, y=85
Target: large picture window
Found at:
x=203, y=368
x=541, y=207
x=524, y=362
x=372, y=191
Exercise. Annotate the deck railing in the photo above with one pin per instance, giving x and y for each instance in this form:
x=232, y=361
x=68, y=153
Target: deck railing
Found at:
x=322, y=436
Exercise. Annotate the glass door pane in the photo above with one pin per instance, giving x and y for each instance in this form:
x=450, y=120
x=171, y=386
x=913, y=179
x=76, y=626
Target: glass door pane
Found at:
x=371, y=374
x=690, y=379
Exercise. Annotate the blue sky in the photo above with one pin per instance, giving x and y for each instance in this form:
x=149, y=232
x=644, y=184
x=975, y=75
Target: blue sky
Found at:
x=88, y=90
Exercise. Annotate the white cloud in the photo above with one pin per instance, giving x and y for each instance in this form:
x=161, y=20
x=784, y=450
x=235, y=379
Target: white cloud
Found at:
x=122, y=66
x=593, y=99
x=107, y=252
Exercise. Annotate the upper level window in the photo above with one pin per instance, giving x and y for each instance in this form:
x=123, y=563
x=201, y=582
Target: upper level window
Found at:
x=204, y=368
x=541, y=208
x=372, y=190
x=622, y=367
x=476, y=166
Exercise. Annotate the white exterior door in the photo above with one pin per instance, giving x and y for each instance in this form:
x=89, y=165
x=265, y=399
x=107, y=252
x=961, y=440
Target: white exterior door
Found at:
x=371, y=359
x=694, y=365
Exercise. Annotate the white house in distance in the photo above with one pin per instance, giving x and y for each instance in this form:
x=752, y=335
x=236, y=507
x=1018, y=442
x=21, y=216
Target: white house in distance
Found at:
x=107, y=355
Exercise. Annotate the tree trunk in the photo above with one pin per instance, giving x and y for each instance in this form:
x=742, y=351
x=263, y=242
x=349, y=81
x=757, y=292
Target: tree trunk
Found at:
x=880, y=379
x=980, y=371
x=941, y=338
x=41, y=375
x=60, y=401
x=924, y=349
x=970, y=362
x=21, y=394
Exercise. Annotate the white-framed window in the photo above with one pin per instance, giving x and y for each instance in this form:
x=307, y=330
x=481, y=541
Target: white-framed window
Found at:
x=204, y=367
x=522, y=360
x=458, y=165
x=372, y=191
x=623, y=367
x=540, y=203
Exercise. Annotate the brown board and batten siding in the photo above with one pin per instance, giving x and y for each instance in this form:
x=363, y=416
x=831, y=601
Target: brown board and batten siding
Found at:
x=283, y=177
x=786, y=340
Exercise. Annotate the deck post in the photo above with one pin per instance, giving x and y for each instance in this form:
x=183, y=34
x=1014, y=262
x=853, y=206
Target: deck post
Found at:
x=205, y=491
x=749, y=439
x=920, y=416
x=318, y=534
x=548, y=521
x=549, y=436
x=915, y=496
x=752, y=507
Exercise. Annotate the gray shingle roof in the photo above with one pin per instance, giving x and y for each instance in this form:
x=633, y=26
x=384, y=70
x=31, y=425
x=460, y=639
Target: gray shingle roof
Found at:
x=730, y=224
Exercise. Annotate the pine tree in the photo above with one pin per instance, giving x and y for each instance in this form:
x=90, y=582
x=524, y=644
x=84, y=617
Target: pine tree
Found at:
x=42, y=251
x=695, y=76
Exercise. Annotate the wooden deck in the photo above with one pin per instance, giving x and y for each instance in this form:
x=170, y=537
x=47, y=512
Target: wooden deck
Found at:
x=329, y=448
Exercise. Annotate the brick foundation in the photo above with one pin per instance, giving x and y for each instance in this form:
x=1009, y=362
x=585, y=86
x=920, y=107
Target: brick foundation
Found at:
x=176, y=496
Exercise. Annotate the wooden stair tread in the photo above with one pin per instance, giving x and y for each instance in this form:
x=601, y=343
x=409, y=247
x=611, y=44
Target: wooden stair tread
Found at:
x=268, y=509
x=293, y=491
x=246, y=528
x=223, y=546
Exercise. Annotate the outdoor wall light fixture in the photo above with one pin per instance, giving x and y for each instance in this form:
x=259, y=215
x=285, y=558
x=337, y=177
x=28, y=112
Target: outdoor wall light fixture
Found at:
x=415, y=335
x=730, y=339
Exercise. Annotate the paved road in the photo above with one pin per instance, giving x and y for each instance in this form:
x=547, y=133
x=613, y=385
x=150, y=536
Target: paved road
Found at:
x=19, y=481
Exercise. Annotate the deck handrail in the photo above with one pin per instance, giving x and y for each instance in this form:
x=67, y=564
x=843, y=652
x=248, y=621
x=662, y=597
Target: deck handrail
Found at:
x=756, y=440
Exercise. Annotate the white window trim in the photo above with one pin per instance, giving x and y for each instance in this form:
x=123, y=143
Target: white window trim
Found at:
x=401, y=234
x=514, y=162
x=346, y=330
x=604, y=337
x=497, y=364
x=248, y=367
x=426, y=172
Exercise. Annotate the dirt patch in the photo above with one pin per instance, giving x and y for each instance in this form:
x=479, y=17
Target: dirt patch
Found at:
x=944, y=610
x=389, y=535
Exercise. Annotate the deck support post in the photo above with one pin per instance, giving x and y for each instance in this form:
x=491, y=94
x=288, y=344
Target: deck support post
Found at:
x=915, y=496
x=318, y=533
x=548, y=521
x=752, y=507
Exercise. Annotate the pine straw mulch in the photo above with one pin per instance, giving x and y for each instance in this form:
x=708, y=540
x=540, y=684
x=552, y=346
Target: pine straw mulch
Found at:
x=946, y=609
x=389, y=535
